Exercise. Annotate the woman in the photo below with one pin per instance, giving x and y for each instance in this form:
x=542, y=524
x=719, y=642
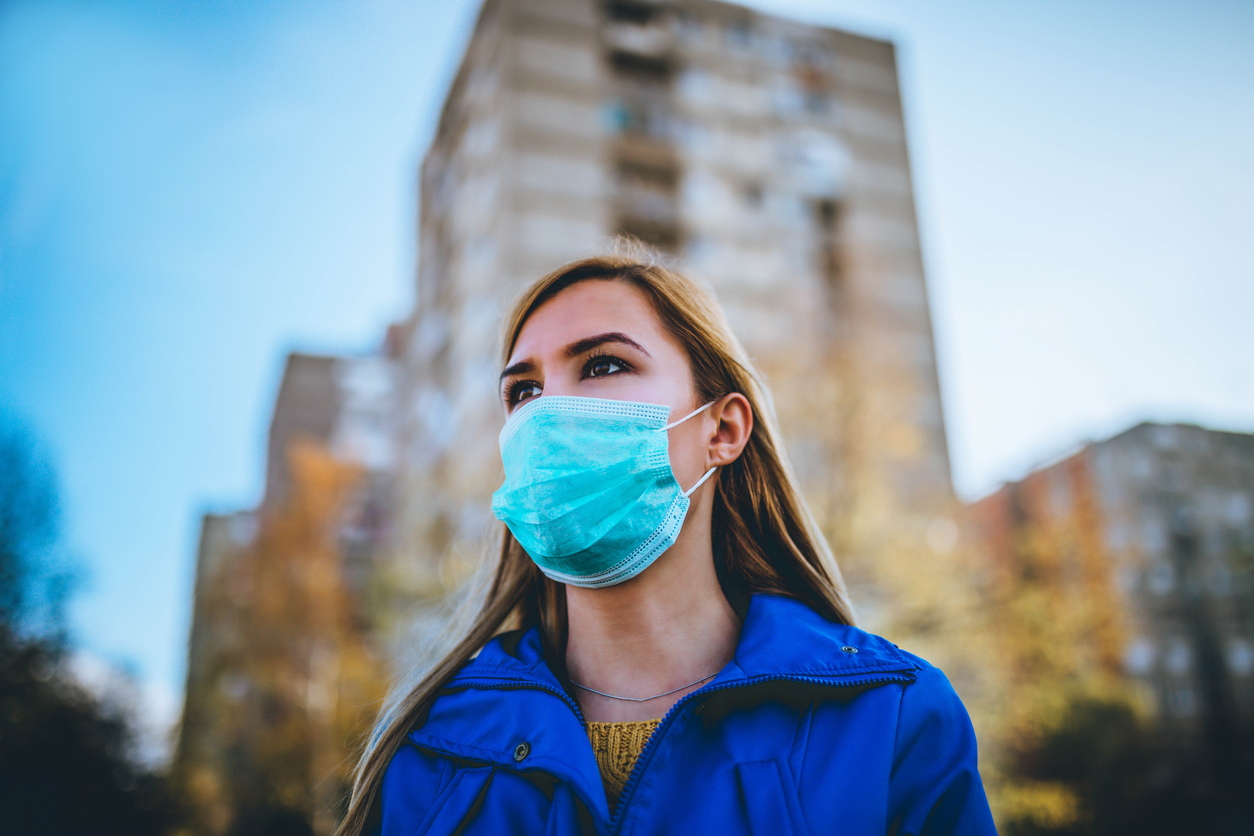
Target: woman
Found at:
x=666, y=646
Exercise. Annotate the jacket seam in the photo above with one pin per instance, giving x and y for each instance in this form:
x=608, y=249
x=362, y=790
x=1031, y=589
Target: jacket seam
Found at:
x=535, y=762
x=801, y=741
x=841, y=672
x=516, y=670
x=901, y=707
x=453, y=746
x=438, y=804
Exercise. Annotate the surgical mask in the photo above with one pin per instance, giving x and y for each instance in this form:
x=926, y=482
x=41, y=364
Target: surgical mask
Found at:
x=589, y=492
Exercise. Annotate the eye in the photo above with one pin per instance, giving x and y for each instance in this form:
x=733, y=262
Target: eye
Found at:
x=521, y=390
x=603, y=365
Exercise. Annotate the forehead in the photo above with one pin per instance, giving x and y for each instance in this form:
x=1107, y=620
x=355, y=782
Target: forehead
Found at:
x=588, y=307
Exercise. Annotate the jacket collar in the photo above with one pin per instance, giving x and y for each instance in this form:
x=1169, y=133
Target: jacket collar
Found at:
x=780, y=638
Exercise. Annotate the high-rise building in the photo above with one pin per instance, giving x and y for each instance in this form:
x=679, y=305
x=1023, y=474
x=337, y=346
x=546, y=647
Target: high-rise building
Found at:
x=284, y=657
x=1146, y=543
x=770, y=157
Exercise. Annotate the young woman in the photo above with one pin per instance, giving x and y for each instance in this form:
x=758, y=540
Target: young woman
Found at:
x=666, y=646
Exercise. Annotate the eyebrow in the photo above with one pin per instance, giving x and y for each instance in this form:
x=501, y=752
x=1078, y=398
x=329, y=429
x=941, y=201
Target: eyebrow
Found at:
x=579, y=347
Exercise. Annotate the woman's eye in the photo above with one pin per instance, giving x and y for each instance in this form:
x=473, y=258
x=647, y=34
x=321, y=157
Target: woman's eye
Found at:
x=521, y=391
x=601, y=366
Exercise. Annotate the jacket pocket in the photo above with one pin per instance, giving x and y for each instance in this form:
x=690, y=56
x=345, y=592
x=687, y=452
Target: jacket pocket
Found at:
x=453, y=810
x=769, y=798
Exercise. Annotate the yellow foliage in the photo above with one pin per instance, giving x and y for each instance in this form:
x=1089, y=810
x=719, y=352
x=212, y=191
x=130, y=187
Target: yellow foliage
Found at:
x=299, y=679
x=1048, y=805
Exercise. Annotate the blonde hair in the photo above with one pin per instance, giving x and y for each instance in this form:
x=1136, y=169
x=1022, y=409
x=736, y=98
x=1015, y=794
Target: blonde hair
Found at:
x=764, y=537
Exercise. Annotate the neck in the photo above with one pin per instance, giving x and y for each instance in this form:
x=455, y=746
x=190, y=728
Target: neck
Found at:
x=668, y=626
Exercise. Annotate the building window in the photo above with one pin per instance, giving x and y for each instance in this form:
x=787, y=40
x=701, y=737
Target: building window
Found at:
x=1161, y=578
x=827, y=220
x=740, y=33
x=626, y=11
x=1182, y=700
x=1240, y=657
x=753, y=195
x=660, y=236
x=1139, y=657
x=1179, y=657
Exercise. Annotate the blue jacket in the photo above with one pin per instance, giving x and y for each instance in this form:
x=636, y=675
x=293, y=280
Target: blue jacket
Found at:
x=812, y=728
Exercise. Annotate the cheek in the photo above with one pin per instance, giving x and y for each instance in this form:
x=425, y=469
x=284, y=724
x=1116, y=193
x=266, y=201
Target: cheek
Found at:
x=687, y=455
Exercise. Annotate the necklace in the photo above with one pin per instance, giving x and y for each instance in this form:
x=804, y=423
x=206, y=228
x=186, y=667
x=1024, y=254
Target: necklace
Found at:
x=643, y=699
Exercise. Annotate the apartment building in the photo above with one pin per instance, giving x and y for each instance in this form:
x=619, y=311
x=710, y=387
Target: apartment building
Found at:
x=1147, y=541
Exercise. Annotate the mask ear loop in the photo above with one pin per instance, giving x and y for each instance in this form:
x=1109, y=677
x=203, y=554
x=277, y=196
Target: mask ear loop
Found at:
x=685, y=418
x=677, y=423
x=700, y=481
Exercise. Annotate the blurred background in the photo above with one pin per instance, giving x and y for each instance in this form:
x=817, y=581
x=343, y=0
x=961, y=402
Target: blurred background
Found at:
x=991, y=258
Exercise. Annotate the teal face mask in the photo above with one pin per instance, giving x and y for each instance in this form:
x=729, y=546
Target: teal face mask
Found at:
x=589, y=492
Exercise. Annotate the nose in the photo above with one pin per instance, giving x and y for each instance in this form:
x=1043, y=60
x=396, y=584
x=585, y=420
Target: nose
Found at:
x=558, y=386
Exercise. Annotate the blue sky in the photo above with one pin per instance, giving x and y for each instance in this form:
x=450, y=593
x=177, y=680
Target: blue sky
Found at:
x=187, y=191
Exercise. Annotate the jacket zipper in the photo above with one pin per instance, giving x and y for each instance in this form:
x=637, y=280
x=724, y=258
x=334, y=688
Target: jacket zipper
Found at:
x=634, y=778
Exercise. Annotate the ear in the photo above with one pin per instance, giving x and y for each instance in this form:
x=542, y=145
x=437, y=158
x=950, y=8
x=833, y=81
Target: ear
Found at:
x=733, y=423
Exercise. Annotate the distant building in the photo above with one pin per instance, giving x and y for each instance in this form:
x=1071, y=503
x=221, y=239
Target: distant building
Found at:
x=770, y=156
x=218, y=635
x=1150, y=536
x=284, y=653
x=343, y=403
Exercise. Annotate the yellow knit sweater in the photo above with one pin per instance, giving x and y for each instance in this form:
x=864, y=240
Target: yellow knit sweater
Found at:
x=617, y=745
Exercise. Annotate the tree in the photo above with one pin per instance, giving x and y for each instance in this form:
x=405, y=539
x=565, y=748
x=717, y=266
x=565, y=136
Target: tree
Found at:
x=65, y=765
x=1077, y=749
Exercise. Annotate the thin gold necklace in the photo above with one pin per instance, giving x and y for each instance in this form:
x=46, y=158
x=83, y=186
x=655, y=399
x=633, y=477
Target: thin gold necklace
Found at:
x=643, y=699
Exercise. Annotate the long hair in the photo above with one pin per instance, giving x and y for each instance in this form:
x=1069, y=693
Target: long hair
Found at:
x=764, y=537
